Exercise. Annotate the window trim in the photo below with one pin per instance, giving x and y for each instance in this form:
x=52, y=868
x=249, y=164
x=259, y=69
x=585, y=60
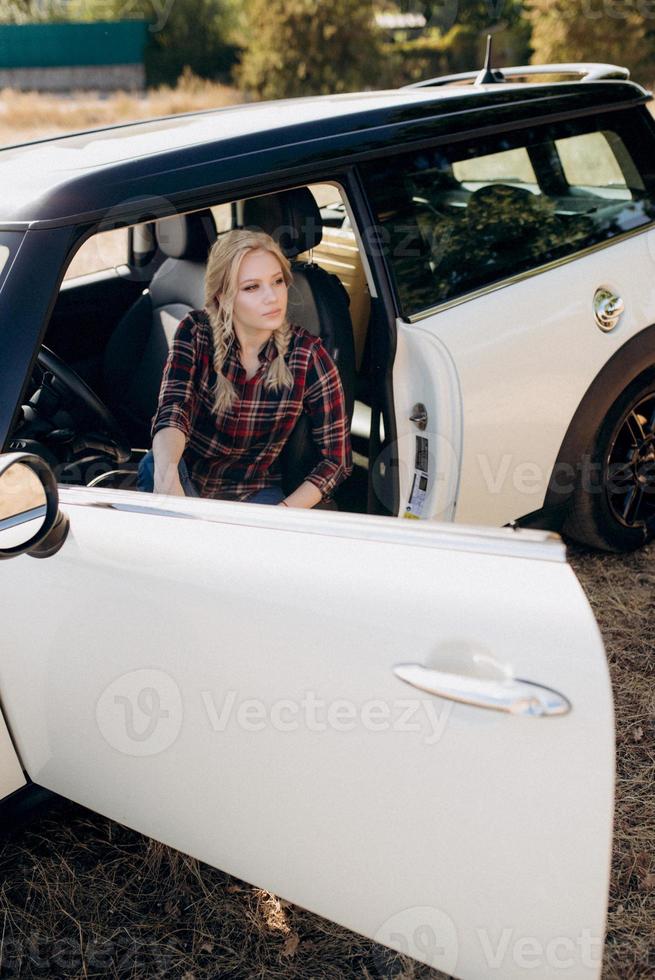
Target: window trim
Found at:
x=621, y=163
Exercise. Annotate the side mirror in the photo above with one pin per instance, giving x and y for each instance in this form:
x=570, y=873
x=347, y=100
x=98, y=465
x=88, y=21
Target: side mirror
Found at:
x=30, y=520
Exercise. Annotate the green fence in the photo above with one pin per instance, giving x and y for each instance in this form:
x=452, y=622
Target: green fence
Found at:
x=120, y=42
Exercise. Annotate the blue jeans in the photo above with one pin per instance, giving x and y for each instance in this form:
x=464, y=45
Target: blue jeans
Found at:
x=146, y=479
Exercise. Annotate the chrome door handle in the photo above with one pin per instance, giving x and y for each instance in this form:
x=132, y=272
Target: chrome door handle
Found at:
x=516, y=697
x=608, y=308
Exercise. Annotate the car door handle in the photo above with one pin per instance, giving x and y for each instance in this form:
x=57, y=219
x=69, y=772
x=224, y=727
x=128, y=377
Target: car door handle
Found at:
x=608, y=308
x=515, y=696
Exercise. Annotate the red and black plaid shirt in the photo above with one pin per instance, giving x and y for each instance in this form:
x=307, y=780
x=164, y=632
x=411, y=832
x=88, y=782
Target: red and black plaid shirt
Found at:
x=233, y=454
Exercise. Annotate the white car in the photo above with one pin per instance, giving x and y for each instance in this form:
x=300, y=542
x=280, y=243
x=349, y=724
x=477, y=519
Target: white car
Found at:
x=403, y=725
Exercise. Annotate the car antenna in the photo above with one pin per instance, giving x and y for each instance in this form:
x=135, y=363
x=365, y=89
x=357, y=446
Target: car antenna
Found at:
x=488, y=74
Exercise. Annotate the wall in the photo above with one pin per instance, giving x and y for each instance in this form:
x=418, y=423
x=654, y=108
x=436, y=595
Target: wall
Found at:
x=104, y=55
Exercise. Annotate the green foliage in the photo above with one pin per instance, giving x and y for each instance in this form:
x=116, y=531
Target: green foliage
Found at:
x=461, y=49
x=22, y=12
x=183, y=33
x=431, y=55
x=482, y=14
x=476, y=15
x=193, y=35
x=309, y=47
x=76, y=11
x=615, y=31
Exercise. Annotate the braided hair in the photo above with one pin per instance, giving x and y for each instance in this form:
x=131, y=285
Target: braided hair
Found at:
x=221, y=279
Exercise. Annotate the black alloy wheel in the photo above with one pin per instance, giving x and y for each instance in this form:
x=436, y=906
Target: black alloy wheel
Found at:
x=613, y=504
x=631, y=467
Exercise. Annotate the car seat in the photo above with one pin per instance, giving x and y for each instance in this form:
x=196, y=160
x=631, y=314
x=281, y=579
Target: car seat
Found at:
x=135, y=356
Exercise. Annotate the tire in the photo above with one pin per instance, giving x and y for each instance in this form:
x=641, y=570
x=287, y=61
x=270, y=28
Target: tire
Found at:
x=613, y=504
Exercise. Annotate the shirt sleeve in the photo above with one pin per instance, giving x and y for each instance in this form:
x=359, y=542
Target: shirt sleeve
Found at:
x=178, y=403
x=325, y=404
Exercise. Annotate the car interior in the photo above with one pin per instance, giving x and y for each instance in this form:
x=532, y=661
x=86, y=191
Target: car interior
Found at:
x=96, y=384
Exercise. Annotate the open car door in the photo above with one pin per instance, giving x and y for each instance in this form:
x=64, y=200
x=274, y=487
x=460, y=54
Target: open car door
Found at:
x=317, y=703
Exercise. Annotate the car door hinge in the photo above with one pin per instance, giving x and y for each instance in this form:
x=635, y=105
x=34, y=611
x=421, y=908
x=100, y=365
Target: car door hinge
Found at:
x=419, y=416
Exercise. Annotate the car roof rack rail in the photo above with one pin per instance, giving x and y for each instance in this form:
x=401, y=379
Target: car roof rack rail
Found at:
x=584, y=72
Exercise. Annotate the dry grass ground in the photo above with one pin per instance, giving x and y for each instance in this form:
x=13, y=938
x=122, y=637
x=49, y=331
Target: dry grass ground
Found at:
x=27, y=116
x=84, y=897
x=621, y=589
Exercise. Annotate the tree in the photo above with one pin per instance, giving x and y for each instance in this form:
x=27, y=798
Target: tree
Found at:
x=478, y=15
x=22, y=12
x=193, y=35
x=309, y=47
x=454, y=38
x=614, y=31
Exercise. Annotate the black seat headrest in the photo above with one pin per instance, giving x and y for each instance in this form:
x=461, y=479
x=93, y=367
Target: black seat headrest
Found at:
x=292, y=218
x=186, y=236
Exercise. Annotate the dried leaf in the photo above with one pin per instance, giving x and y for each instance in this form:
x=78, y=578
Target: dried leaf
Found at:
x=291, y=944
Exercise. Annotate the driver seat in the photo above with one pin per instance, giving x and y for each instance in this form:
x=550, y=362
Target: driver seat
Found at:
x=136, y=354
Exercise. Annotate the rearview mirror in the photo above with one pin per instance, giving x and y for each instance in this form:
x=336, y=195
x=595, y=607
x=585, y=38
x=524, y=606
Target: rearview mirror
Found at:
x=30, y=519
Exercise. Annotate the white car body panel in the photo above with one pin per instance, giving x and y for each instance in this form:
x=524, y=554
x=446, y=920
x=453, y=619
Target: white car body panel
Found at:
x=11, y=772
x=481, y=830
x=540, y=351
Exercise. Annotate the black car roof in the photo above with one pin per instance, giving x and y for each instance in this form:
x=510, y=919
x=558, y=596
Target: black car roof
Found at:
x=111, y=173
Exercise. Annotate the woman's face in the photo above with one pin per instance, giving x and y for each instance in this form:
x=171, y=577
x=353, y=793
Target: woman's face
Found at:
x=260, y=303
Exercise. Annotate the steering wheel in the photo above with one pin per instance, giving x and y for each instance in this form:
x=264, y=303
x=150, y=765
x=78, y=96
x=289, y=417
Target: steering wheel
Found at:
x=74, y=386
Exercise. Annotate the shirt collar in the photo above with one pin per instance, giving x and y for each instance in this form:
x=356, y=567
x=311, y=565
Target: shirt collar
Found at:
x=267, y=353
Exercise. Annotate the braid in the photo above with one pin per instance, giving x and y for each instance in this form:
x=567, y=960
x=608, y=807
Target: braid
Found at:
x=224, y=393
x=279, y=373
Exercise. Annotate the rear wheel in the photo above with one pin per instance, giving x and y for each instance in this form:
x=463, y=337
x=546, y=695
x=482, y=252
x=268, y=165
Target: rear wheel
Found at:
x=613, y=506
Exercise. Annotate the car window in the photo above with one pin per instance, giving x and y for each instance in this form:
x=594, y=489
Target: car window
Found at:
x=508, y=166
x=9, y=245
x=590, y=161
x=222, y=215
x=454, y=219
x=103, y=251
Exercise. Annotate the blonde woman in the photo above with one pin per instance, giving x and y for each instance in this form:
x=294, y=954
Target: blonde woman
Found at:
x=237, y=378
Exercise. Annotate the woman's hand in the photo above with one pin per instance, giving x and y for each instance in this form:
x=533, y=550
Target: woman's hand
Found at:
x=168, y=482
x=167, y=448
x=306, y=495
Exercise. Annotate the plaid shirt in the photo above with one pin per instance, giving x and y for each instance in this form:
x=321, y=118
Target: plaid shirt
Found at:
x=233, y=454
